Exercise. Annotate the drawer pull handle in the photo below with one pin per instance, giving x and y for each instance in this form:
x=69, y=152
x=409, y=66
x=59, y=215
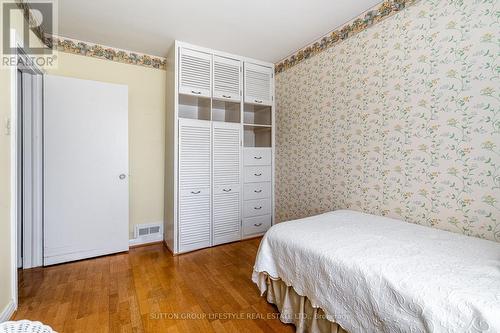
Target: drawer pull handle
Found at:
x=257, y=224
x=226, y=96
x=258, y=174
x=195, y=192
x=226, y=189
x=257, y=191
x=258, y=101
x=196, y=92
x=257, y=208
x=258, y=157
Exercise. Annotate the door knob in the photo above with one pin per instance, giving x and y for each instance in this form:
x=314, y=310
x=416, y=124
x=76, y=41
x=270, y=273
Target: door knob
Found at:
x=123, y=176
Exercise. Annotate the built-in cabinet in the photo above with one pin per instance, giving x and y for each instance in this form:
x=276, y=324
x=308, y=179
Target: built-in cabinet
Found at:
x=220, y=148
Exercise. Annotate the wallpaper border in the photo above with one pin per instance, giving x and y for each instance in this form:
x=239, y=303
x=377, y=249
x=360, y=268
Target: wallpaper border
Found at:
x=362, y=22
x=92, y=50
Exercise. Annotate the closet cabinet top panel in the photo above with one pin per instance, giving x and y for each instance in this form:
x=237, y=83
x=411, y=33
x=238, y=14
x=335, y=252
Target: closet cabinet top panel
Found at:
x=258, y=84
x=227, y=78
x=195, y=72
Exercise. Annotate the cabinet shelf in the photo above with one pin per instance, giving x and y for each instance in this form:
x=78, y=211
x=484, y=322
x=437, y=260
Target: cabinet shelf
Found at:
x=194, y=107
x=257, y=125
x=257, y=114
x=226, y=111
x=257, y=136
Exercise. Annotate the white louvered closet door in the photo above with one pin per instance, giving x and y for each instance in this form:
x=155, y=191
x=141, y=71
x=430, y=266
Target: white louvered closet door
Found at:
x=258, y=84
x=227, y=79
x=194, y=184
x=195, y=73
x=226, y=180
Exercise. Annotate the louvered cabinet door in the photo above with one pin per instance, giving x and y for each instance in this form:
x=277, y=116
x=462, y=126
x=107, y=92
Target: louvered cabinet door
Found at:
x=194, y=184
x=226, y=215
x=227, y=79
x=226, y=180
x=258, y=84
x=195, y=73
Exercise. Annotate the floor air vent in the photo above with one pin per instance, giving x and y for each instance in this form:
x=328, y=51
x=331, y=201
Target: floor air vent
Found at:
x=146, y=233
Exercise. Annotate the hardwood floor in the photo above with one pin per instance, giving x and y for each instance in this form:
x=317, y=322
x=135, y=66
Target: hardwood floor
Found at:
x=149, y=290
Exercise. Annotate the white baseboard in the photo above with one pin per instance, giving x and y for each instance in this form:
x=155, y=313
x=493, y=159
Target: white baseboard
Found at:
x=146, y=239
x=7, y=313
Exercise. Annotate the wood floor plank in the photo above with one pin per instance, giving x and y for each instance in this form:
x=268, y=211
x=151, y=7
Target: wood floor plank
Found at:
x=149, y=290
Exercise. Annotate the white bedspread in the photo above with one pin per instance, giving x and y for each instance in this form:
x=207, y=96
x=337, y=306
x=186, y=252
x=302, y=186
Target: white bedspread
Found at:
x=375, y=274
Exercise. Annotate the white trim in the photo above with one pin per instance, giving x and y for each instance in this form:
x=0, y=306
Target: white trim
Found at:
x=146, y=239
x=13, y=173
x=8, y=311
x=32, y=167
x=175, y=245
x=19, y=226
x=13, y=179
x=81, y=255
x=37, y=160
x=27, y=172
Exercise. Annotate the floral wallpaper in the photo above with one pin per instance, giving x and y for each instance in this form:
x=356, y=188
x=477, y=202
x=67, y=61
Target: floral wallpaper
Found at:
x=401, y=119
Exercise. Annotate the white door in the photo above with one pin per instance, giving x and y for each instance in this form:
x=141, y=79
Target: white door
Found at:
x=194, y=184
x=226, y=180
x=86, y=209
x=258, y=84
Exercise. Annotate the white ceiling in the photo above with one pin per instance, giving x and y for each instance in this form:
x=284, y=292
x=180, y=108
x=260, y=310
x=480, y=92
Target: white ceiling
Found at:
x=267, y=30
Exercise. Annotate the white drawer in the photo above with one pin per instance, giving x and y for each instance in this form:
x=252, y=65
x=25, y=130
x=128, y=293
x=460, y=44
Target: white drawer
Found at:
x=257, y=174
x=256, y=225
x=257, y=156
x=195, y=192
x=256, y=207
x=221, y=189
x=257, y=191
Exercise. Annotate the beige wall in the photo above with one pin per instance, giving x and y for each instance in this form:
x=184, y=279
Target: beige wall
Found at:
x=400, y=119
x=147, y=94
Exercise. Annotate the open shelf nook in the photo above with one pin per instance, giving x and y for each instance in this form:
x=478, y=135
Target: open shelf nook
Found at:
x=257, y=136
x=257, y=114
x=194, y=107
x=226, y=111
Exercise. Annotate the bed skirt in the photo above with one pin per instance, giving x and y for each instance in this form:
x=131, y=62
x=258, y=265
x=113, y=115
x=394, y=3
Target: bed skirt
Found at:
x=296, y=309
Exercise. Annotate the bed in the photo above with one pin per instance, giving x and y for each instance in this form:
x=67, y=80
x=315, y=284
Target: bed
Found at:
x=351, y=271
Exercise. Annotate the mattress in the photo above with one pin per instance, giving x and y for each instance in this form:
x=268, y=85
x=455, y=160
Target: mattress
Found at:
x=376, y=274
